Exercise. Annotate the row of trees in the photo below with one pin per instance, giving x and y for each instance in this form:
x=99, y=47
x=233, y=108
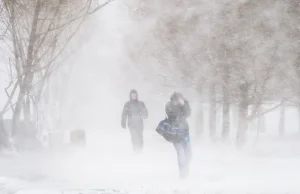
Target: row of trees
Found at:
x=234, y=53
x=36, y=38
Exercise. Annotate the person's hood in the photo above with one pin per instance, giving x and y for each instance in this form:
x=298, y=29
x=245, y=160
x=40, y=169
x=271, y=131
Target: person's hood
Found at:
x=176, y=96
x=133, y=91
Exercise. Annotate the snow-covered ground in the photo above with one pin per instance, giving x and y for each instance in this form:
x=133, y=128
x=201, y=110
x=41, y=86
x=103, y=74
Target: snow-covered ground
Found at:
x=107, y=165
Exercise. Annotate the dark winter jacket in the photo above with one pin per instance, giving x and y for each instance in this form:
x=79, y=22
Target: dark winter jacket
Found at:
x=178, y=114
x=134, y=111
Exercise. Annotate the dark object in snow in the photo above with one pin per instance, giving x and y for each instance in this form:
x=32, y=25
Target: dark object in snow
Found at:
x=78, y=137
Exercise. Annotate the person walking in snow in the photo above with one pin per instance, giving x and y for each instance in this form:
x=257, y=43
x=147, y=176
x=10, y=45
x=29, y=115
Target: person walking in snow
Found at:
x=175, y=129
x=134, y=112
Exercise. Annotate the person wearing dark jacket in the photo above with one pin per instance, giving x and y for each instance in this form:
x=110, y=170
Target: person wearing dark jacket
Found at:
x=178, y=110
x=134, y=112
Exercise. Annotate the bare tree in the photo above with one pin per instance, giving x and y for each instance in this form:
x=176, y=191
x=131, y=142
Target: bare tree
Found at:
x=225, y=43
x=281, y=125
x=36, y=36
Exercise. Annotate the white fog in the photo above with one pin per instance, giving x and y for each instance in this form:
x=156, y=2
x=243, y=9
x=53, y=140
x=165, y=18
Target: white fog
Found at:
x=88, y=86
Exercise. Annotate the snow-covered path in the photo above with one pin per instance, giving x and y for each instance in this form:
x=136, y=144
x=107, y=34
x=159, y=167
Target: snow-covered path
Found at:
x=106, y=167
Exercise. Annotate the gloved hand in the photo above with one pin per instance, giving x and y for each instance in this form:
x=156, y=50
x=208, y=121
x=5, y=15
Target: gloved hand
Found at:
x=123, y=125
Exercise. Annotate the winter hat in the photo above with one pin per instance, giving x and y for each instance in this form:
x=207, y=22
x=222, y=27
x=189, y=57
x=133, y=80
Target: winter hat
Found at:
x=176, y=96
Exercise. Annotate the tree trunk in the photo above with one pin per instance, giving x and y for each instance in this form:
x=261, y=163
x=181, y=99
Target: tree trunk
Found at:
x=27, y=110
x=226, y=114
x=235, y=115
x=200, y=116
x=25, y=86
x=243, y=112
x=299, y=118
x=226, y=102
x=200, y=121
x=17, y=112
x=212, y=112
x=242, y=127
x=282, y=121
x=3, y=135
x=261, y=124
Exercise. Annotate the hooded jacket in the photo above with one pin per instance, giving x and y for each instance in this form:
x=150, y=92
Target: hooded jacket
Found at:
x=178, y=114
x=134, y=112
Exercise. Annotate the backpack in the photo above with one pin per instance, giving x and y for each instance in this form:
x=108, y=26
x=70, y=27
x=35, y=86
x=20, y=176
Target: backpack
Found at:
x=171, y=133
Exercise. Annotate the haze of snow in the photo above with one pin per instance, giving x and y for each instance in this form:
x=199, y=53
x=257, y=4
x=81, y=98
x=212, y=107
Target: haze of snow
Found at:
x=107, y=164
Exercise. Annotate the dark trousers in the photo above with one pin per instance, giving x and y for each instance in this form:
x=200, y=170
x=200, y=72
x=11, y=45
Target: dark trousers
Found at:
x=137, y=139
x=184, y=154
